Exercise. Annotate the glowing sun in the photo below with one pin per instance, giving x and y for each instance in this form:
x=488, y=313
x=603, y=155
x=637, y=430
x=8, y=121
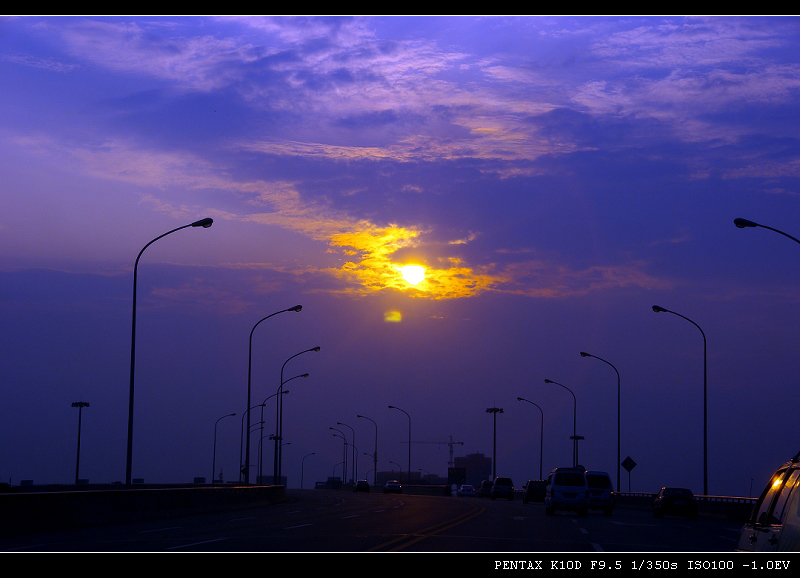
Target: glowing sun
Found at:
x=413, y=273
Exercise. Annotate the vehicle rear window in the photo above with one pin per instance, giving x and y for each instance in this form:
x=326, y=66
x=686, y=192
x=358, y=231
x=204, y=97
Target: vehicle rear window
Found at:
x=598, y=482
x=564, y=479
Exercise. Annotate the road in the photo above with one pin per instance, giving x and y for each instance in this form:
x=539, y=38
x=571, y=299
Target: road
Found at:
x=338, y=521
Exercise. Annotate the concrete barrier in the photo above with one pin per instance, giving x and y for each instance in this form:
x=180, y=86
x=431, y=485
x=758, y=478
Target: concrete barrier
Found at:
x=26, y=512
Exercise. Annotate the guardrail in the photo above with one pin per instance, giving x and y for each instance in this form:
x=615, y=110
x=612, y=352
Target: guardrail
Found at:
x=32, y=511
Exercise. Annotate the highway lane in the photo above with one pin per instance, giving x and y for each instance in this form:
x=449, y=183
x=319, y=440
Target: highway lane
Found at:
x=339, y=521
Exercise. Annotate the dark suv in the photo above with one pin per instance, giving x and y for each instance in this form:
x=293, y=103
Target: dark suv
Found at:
x=502, y=488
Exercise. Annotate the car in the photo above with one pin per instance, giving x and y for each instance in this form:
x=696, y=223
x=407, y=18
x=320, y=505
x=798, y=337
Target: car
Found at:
x=467, y=491
x=675, y=502
x=361, y=486
x=600, y=491
x=392, y=487
x=485, y=488
x=566, y=490
x=774, y=525
x=502, y=488
x=534, y=491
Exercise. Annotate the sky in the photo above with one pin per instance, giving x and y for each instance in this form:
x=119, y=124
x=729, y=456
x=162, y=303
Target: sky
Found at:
x=553, y=177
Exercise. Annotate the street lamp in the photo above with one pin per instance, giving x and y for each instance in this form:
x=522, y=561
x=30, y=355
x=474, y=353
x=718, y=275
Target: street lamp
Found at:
x=241, y=439
x=344, y=452
x=541, y=434
x=494, y=411
x=584, y=354
x=409, y=441
x=303, y=467
x=355, y=466
x=205, y=223
x=276, y=474
x=249, y=373
x=742, y=223
x=260, y=442
x=658, y=309
x=575, y=437
x=214, y=453
x=375, y=454
x=80, y=405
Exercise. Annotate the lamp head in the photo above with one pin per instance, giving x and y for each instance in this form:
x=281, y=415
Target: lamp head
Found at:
x=658, y=309
x=742, y=223
x=205, y=223
x=314, y=348
x=295, y=308
x=547, y=381
x=584, y=354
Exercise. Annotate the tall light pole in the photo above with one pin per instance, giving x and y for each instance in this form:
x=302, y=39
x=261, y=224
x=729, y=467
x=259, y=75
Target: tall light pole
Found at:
x=261, y=444
x=205, y=223
x=375, y=453
x=249, y=373
x=541, y=434
x=276, y=475
x=494, y=411
x=80, y=405
x=409, y=441
x=303, y=467
x=658, y=309
x=344, y=452
x=584, y=354
x=575, y=436
x=241, y=438
x=214, y=453
x=742, y=223
x=355, y=466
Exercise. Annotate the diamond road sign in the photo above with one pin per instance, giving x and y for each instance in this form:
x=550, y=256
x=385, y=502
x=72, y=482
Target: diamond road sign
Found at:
x=628, y=464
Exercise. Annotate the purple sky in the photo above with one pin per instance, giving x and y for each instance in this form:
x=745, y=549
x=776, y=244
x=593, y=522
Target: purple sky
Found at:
x=556, y=177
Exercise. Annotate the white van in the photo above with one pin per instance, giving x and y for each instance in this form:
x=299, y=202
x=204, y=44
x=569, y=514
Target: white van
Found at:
x=774, y=525
x=566, y=490
x=600, y=491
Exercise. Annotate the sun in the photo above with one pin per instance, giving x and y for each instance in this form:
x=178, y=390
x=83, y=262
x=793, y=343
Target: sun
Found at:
x=413, y=274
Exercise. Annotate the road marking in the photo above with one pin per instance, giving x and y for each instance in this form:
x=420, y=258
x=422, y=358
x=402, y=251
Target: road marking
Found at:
x=195, y=544
x=597, y=547
x=353, y=516
x=415, y=537
x=298, y=526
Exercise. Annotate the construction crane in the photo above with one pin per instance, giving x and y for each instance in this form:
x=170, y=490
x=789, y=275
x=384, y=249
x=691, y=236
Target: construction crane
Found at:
x=451, y=443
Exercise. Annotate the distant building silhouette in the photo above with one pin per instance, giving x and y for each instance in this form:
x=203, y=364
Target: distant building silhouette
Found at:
x=478, y=467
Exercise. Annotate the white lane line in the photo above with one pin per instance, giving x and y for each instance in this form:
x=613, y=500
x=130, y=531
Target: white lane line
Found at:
x=195, y=544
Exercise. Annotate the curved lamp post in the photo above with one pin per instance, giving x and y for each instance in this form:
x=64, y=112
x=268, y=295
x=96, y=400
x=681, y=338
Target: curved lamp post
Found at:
x=261, y=439
x=214, y=452
x=541, y=434
x=375, y=453
x=409, y=441
x=276, y=474
x=355, y=466
x=205, y=223
x=658, y=309
x=344, y=452
x=575, y=437
x=742, y=223
x=303, y=467
x=249, y=373
x=584, y=354
x=241, y=438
